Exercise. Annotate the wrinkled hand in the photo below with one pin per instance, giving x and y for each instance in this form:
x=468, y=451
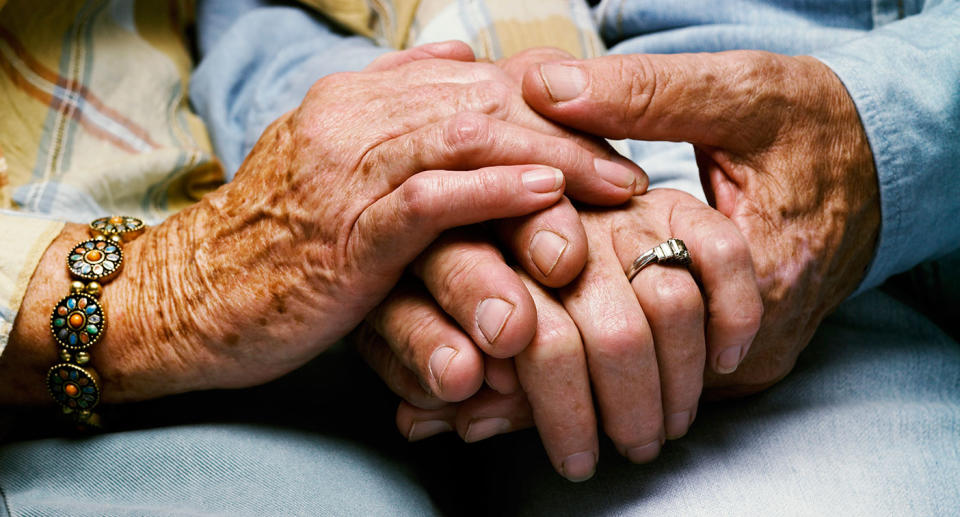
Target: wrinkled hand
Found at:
x=646, y=392
x=467, y=275
x=782, y=153
x=331, y=205
x=639, y=348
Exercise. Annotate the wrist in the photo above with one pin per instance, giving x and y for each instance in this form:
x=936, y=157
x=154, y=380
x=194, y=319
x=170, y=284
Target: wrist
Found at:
x=148, y=348
x=855, y=183
x=155, y=345
x=31, y=349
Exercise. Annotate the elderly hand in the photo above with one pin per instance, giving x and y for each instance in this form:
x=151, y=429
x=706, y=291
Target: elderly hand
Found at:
x=425, y=358
x=782, y=153
x=638, y=347
x=333, y=202
x=467, y=274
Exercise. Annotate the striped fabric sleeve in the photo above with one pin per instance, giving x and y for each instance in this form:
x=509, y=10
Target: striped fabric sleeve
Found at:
x=30, y=237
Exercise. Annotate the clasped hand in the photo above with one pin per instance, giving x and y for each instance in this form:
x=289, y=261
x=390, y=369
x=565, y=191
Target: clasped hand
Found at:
x=784, y=160
x=356, y=206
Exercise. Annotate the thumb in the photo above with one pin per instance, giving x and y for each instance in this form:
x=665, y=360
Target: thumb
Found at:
x=700, y=98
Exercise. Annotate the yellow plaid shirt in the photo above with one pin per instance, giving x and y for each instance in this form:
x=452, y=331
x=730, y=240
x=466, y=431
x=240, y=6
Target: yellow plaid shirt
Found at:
x=95, y=120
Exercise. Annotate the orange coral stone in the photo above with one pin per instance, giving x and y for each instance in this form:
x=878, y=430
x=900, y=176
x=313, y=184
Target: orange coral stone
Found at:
x=116, y=219
x=94, y=256
x=76, y=320
x=71, y=390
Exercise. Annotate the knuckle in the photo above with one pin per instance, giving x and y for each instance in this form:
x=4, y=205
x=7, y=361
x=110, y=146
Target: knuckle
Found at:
x=416, y=196
x=677, y=295
x=467, y=131
x=419, y=333
x=491, y=98
x=556, y=340
x=641, y=77
x=461, y=270
x=379, y=158
x=570, y=154
x=725, y=249
x=622, y=337
x=490, y=181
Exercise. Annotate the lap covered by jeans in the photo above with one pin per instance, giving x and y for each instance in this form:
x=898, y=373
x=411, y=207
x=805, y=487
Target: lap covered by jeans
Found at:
x=867, y=424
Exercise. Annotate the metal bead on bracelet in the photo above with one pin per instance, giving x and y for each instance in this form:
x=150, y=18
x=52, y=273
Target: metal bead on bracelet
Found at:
x=78, y=320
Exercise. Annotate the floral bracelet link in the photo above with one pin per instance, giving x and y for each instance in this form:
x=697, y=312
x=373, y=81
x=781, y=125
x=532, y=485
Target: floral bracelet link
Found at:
x=78, y=320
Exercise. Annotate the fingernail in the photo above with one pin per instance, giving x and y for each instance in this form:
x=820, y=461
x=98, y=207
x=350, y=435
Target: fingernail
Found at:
x=677, y=424
x=484, y=428
x=644, y=453
x=728, y=360
x=563, y=82
x=543, y=180
x=426, y=429
x=440, y=359
x=580, y=466
x=615, y=173
x=492, y=315
x=546, y=248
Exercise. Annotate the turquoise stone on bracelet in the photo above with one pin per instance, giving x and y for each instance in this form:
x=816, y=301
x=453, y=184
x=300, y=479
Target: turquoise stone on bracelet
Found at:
x=77, y=321
x=95, y=259
x=75, y=388
x=117, y=225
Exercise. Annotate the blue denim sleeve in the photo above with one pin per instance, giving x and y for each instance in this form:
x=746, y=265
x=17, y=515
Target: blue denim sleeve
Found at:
x=258, y=59
x=904, y=78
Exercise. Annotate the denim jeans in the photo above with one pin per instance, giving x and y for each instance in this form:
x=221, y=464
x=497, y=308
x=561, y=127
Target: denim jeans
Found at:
x=867, y=424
